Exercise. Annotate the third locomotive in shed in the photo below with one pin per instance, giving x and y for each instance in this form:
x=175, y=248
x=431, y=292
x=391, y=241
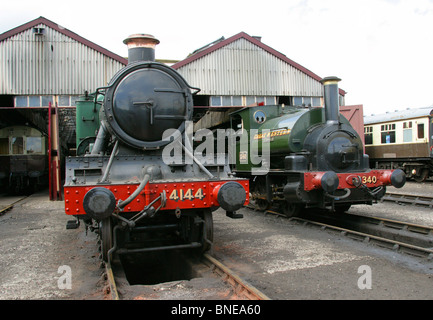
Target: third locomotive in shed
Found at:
x=316, y=158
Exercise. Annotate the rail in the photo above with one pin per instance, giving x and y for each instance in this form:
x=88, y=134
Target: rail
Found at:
x=407, y=233
x=392, y=244
x=112, y=288
x=409, y=199
x=240, y=287
x=10, y=206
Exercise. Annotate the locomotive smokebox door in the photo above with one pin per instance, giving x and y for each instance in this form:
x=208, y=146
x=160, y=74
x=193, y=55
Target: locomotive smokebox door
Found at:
x=146, y=98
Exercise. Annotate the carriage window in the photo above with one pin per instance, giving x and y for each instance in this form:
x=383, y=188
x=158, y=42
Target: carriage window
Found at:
x=17, y=145
x=368, y=134
x=388, y=133
x=407, y=131
x=388, y=137
x=34, y=145
x=4, y=145
x=421, y=131
x=407, y=125
x=407, y=135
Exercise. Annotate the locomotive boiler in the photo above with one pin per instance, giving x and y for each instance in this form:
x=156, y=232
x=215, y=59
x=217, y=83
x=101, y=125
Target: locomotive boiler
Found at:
x=307, y=157
x=127, y=186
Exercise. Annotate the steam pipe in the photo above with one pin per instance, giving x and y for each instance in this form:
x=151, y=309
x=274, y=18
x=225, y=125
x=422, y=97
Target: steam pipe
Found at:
x=122, y=203
x=101, y=138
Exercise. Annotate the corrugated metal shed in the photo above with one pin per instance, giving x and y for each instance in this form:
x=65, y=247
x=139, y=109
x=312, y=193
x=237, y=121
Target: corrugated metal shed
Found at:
x=398, y=115
x=42, y=58
x=243, y=65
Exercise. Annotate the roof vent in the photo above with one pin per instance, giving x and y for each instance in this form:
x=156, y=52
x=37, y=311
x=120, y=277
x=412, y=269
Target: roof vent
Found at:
x=39, y=31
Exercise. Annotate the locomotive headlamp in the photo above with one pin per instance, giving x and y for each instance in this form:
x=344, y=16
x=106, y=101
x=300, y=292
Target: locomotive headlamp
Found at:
x=231, y=195
x=99, y=203
x=329, y=181
x=398, y=178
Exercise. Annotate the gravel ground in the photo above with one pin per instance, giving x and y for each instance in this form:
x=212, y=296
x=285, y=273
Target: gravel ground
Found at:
x=285, y=260
x=37, y=253
x=402, y=212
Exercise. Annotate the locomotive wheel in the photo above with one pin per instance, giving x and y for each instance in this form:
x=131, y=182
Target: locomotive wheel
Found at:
x=106, y=234
x=261, y=204
x=259, y=195
x=422, y=176
x=291, y=209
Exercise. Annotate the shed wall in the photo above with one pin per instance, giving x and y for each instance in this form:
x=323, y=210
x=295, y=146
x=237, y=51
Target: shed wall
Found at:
x=52, y=63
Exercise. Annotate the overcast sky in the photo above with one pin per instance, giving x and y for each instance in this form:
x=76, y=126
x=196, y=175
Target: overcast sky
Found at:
x=381, y=49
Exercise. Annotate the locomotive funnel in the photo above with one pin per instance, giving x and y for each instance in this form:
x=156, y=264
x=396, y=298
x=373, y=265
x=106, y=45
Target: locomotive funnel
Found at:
x=330, y=87
x=141, y=47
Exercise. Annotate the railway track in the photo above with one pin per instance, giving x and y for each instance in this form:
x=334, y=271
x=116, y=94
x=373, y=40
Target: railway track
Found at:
x=10, y=206
x=395, y=235
x=241, y=288
x=416, y=240
x=416, y=200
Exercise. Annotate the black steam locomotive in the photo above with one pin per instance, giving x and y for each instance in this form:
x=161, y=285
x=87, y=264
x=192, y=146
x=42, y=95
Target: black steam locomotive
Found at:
x=307, y=157
x=141, y=186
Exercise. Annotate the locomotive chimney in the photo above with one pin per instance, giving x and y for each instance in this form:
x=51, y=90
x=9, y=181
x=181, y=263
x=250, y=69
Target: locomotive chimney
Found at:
x=141, y=47
x=331, y=97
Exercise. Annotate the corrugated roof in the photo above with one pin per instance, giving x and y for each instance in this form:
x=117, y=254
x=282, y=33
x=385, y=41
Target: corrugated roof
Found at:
x=398, y=115
x=55, y=26
x=258, y=43
x=43, y=58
